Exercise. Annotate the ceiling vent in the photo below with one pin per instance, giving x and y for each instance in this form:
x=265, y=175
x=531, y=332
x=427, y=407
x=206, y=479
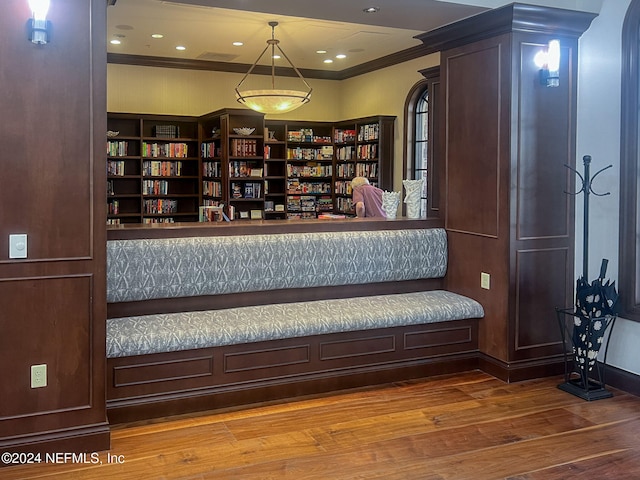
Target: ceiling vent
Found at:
x=217, y=57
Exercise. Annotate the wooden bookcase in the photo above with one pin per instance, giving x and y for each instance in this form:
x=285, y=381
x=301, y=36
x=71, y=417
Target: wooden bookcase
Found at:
x=280, y=170
x=323, y=157
x=363, y=148
x=236, y=162
x=153, y=169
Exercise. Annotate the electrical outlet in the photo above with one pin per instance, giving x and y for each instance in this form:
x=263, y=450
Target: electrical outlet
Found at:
x=485, y=281
x=38, y=376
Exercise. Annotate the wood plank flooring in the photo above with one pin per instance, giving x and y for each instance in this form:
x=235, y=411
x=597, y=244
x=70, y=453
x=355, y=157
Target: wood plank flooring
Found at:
x=460, y=427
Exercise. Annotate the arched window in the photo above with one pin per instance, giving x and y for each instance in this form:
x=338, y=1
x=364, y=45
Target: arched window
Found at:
x=421, y=146
x=629, y=270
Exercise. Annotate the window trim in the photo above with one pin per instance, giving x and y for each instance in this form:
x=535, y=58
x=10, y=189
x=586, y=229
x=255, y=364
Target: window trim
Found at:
x=628, y=269
x=431, y=78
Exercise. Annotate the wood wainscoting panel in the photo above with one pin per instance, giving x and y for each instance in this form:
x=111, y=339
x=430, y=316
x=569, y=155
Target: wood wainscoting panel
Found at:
x=473, y=139
x=537, y=333
x=47, y=322
x=545, y=146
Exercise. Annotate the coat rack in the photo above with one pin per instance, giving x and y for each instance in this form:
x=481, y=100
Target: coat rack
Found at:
x=592, y=315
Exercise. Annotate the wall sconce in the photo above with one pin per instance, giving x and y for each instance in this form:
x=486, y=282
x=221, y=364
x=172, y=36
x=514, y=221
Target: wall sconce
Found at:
x=548, y=61
x=39, y=26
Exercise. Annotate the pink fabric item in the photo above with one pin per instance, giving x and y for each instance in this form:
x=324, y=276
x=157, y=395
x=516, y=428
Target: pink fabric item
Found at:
x=372, y=198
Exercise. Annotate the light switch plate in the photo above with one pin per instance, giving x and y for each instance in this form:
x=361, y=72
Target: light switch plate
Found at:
x=18, y=245
x=485, y=281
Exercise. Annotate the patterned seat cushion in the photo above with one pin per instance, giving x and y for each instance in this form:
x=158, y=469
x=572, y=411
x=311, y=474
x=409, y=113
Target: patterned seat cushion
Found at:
x=188, y=330
x=183, y=267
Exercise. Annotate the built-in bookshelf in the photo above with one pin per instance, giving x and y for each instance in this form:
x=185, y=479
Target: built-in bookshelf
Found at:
x=152, y=169
x=364, y=148
x=275, y=166
x=232, y=155
x=164, y=168
x=309, y=152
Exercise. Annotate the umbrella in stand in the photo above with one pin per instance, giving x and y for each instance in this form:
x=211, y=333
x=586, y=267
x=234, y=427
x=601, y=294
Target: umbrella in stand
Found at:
x=596, y=305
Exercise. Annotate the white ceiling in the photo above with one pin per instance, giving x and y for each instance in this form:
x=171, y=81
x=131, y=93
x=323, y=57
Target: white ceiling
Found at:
x=207, y=28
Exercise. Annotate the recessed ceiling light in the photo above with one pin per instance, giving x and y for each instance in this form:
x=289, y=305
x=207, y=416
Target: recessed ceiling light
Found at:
x=277, y=57
x=180, y=47
x=341, y=55
x=371, y=10
x=237, y=44
x=115, y=41
x=156, y=35
x=321, y=51
x=328, y=60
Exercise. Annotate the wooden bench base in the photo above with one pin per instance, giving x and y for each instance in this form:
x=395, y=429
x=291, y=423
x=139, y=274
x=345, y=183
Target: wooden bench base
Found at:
x=163, y=384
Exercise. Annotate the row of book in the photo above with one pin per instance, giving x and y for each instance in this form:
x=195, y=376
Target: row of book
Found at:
x=158, y=220
x=113, y=207
x=160, y=205
x=158, y=168
x=211, y=169
x=368, y=151
x=299, y=153
x=171, y=150
x=243, y=147
x=344, y=204
x=345, y=153
x=306, y=135
x=344, y=136
x=368, y=132
x=246, y=190
x=117, y=148
x=210, y=150
x=116, y=168
x=343, y=187
x=296, y=187
x=211, y=188
x=309, y=170
x=239, y=168
x=345, y=170
x=369, y=170
x=155, y=187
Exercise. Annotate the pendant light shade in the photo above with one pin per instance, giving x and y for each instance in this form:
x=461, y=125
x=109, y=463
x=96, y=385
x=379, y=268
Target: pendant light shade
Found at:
x=273, y=100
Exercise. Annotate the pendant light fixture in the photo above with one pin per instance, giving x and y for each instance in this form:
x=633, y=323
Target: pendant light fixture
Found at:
x=273, y=100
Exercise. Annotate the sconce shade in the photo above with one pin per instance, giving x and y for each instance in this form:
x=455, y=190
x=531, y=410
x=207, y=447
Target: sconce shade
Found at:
x=273, y=100
x=549, y=63
x=39, y=27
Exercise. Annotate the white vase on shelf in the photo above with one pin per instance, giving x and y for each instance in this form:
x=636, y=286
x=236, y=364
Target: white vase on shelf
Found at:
x=390, y=202
x=413, y=191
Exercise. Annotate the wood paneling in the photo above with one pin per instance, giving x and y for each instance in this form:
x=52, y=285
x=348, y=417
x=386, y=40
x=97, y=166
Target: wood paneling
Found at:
x=52, y=188
x=507, y=141
x=473, y=135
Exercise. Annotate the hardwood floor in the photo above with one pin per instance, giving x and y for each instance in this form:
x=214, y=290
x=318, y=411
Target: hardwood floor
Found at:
x=469, y=426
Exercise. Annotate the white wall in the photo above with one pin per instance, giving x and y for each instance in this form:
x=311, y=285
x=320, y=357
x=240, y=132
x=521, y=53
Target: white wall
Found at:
x=599, y=136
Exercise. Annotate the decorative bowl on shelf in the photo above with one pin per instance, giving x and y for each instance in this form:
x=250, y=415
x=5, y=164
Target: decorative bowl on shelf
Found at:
x=244, y=130
x=111, y=133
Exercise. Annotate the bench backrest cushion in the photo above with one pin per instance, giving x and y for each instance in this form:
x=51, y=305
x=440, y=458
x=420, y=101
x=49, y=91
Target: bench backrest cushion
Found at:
x=181, y=267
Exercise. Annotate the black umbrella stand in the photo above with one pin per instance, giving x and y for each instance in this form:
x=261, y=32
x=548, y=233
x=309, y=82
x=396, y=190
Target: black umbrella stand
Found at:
x=583, y=327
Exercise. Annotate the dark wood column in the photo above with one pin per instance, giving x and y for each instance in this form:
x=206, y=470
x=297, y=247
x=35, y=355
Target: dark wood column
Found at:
x=52, y=188
x=507, y=138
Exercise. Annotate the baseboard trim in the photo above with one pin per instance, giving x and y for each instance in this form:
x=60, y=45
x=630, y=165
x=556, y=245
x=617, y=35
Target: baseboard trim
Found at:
x=622, y=380
x=521, y=370
x=86, y=438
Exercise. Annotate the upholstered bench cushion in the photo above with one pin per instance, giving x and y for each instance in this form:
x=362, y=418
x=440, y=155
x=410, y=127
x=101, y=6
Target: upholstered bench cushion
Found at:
x=147, y=269
x=188, y=330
